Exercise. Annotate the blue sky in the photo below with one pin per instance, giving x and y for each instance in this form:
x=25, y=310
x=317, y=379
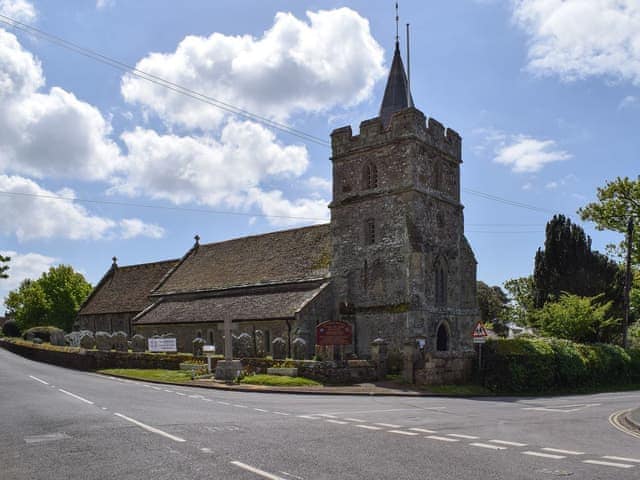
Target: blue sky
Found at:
x=544, y=93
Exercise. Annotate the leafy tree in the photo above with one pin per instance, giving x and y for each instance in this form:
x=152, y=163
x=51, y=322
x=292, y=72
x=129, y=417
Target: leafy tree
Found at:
x=579, y=319
x=567, y=264
x=54, y=299
x=492, y=302
x=521, y=291
x=3, y=267
x=617, y=201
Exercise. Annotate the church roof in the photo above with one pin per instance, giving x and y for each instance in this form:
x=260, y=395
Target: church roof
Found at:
x=125, y=289
x=253, y=306
x=396, y=94
x=288, y=256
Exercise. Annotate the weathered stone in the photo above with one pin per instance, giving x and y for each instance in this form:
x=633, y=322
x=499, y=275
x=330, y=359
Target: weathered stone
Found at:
x=198, y=344
x=87, y=341
x=244, y=348
x=57, y=338
x=119, y=341
x=261, y=348
x=138, y=343
x=299, y=348
x=73, y=339
x=103, y=341
x=279, y=348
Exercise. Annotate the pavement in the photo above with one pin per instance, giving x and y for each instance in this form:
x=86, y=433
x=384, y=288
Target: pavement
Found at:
x=59, y=424
x=633, y=417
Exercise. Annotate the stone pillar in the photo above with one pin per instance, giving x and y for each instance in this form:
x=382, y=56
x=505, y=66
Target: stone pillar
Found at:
x=379, y=356
x=228, y=369
x=409, y=354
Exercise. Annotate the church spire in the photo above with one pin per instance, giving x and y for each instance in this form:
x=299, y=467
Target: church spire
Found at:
x=396, y=94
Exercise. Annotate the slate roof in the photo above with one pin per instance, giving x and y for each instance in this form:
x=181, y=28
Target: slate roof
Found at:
x=125, y=289
x=254, y=306
x=288, y=256
x=396, y=94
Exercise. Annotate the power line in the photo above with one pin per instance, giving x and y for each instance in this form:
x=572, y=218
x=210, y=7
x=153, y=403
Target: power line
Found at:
x=506, y=201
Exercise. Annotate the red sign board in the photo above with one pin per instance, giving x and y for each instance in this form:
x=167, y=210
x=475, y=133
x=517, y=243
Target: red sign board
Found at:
x=479, y=331
x=334, y=333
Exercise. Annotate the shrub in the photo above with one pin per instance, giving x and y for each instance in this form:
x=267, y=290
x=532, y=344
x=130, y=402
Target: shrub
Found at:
x=11, y=328
x=43, y=333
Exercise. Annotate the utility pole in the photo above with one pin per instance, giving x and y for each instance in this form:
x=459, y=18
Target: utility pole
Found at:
x=627, y=285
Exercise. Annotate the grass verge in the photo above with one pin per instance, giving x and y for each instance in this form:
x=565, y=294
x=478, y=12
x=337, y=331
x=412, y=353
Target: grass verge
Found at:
x=279, y=381
x=158, y=375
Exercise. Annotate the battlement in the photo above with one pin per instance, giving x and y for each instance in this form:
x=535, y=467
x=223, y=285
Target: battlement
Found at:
x=406, y=123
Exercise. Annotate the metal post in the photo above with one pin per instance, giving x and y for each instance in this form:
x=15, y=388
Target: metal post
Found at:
x=627, y=285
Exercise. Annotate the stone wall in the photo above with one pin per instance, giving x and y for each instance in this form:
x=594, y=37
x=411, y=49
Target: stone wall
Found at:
x=107, y=322
x=445, y=369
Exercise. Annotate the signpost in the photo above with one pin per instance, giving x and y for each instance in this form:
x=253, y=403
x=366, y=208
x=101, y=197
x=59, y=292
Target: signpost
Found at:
x=334, y=333
x=163, y=345
x=479, y=335
x=209, y=351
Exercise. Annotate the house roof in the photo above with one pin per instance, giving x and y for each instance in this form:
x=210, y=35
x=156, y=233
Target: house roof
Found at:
x=396, y=94
x=269, y=305
x=125, y=289
x=288, y=256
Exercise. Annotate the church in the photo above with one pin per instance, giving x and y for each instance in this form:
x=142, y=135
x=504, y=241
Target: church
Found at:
x=393, y=261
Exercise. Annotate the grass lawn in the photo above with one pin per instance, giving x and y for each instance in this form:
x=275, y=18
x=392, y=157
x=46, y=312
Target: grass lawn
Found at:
x=279, y=381
x=169, y=376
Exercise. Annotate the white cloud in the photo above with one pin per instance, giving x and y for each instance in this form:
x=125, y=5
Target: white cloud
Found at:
x=23, y=266
x=319, y=183
x=527, y=186
x=286, y=212
x=102, y=4
x=330, y=61
x=134, y=227
x=629, y=102
x=19, y=10
x=50, y=134
x=526, y=154
x=28, y=212
x=575, y=39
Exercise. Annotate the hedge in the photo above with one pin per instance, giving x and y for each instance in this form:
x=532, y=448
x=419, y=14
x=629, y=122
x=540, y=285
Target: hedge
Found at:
x=534, y=365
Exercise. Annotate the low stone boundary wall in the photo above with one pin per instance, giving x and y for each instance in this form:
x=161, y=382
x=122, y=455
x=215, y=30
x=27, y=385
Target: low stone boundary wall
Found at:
x=91, y=360
x=445, y=369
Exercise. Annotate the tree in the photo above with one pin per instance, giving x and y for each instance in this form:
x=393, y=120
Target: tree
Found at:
x=492, y=302
x=54, y=299
x=567, y=264
x=521, y=292
x=3, y=267
x=617, y=201
x=579, y=319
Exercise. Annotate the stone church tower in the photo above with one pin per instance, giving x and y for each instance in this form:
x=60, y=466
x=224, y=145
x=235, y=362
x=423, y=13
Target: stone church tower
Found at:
x=401, y=266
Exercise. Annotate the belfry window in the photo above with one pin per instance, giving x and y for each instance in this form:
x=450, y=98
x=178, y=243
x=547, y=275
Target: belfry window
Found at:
x=370, y=176
x=442, y=341
x=370, y=231
x=441, y=283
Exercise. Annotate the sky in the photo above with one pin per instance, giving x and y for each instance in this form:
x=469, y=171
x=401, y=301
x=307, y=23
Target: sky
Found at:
x=97, y=162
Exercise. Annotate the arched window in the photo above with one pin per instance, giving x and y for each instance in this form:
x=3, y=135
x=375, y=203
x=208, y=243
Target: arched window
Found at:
x=370, y=176
x=442, y=342
x=199, y=334
x=211, y=339
x=369, y=231
x=441, y=282
x=365, y=276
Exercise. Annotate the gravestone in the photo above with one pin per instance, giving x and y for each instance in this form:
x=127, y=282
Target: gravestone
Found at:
x=119, y=342
x=259, y=343
x=103, y=341
x=87, y=340
x=138, y=343
x=244, y=347
x=73, y=339
x=198, y=344
x=279, y=348
x=57, y=338
x=299, y=348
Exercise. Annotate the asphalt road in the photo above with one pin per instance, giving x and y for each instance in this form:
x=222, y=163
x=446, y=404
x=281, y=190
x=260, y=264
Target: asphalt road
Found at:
x=63, y=424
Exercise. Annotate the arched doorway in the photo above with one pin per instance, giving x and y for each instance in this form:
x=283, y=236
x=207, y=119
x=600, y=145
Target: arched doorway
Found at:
x=442, y=342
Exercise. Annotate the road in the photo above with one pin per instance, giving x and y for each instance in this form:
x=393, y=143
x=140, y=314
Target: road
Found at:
x=64, y=424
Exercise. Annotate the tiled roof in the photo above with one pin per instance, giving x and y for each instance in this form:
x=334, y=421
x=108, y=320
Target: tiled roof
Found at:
x=254, y=306
x=287, y=256
x=125, y=289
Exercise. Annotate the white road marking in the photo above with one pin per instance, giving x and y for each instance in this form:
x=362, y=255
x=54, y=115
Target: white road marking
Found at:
x=388, y=425
x=224, y=403
x=622, y=459
x=608, y=464
x=566, y=452
x=206, y=399
x=76, y=396
x=374, y=411
x=240, y=406
x=488, y=445
x=156, y=388
x=103, y=408
x=339, y=422
x=326, y=415
x=354, y=420
x=257, y=471
x=544, y=455
x=149, y=428
x=308, y=417
x=181, y=394
x=169, y=391
x=511, y=444
x=205, y=450
x=38, y=380
x=460, y=435
x=422, y=430
x=403, y=432
x=200, y=397
x=442, y=439
x=563, y=408
x=368, y=427
x=281, y=413
x=261, y=410
x=292, y=475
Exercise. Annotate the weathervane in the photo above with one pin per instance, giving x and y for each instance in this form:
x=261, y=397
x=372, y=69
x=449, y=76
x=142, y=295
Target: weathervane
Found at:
x=397, y=23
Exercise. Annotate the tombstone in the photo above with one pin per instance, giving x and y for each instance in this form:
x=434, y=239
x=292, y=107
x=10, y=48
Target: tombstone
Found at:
x=73, y=339
x=103, y=341
x=244, y=348
x=87, y=341
x=57, y=337
x=279, y=348
x=138, y=343
x=198, y=344
x=299, y=348
x=119, y=342
x=259, y=343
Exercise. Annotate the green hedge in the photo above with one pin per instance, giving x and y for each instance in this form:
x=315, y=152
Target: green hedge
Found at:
x=534, y=365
